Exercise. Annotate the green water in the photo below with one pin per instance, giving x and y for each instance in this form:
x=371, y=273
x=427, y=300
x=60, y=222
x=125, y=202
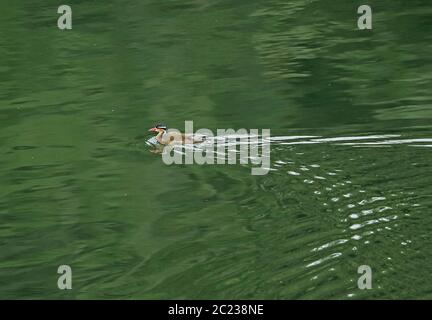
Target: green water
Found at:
x=80, y=187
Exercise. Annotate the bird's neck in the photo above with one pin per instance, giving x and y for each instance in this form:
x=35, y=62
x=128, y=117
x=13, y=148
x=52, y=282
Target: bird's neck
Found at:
x=159, y=136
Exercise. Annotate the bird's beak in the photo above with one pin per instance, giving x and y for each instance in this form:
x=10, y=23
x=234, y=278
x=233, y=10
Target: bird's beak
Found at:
x=154, y=129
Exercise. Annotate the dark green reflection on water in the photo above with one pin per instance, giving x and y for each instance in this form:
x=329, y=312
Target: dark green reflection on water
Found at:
x=79, y=188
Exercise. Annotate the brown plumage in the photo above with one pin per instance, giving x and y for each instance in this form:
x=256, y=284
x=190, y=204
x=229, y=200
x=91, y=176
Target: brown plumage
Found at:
x=165, y=137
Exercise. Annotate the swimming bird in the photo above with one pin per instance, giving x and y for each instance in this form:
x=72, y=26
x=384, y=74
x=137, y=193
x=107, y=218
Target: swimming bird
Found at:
x=165, y=137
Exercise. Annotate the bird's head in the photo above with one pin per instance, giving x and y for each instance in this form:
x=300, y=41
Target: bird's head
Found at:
x=159, y=128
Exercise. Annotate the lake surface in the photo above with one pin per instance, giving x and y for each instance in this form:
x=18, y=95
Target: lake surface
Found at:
x=350, y=114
